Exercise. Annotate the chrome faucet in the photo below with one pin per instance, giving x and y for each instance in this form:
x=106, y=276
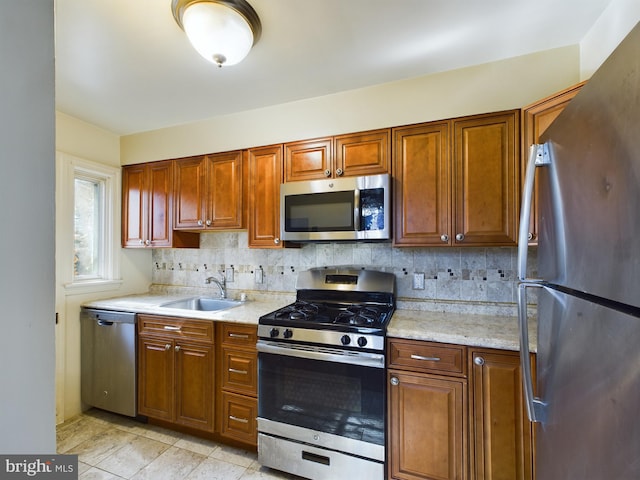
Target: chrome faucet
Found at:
x=222, y=284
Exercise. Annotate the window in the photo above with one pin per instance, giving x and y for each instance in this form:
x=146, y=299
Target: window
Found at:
x=88, y=215
x=89, y=254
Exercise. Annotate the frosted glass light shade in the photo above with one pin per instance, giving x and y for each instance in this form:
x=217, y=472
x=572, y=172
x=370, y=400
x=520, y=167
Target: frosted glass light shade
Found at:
x=222, y=31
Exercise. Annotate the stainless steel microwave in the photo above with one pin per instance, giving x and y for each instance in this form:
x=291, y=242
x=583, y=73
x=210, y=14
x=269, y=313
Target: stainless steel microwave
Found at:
x=350, y=208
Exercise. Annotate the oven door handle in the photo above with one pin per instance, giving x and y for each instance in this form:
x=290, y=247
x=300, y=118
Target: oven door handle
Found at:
x=324, y=354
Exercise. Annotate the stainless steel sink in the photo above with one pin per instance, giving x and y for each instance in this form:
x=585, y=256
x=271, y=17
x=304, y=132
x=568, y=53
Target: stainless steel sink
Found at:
x=203, y=304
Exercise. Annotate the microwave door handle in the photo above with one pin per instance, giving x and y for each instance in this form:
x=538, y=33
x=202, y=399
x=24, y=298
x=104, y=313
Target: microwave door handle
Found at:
x=356, y=210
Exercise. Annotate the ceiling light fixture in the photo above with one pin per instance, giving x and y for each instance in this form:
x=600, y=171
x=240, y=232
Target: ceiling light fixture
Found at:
x=222, y=31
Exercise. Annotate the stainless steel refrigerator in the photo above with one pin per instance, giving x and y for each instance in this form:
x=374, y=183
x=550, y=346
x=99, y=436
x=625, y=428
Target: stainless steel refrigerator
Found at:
x=586, y=399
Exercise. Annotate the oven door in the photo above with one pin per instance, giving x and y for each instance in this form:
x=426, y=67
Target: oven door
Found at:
x=322, y=396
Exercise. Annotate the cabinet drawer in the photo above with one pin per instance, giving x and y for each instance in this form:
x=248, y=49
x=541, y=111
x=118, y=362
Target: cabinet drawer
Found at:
x=239, y=418
x=239, y=371
x=238, y=334
x=428, y=357
x=176, y=328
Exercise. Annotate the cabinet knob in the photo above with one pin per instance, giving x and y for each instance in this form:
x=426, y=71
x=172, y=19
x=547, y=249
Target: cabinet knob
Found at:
x=327, y=173
x=478, y=361
x=208, y=223
x=460, y=237
x=147, y=242
x=444, y=238
x=167, y=346
x=200, y=223
x=177, y=349
x=531, y=236
x=276, y=241
x=394, y=381
x=339, y=172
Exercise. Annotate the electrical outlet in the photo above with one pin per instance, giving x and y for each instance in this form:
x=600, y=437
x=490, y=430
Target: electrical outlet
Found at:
x=258, y=275
x=228, y=274
x=418, y=281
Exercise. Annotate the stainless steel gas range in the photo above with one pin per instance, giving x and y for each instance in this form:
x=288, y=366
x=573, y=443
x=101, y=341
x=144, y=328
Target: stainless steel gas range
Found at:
x=321, y=380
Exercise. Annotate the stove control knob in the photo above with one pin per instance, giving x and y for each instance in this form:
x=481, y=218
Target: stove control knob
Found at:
x=362, y=341
x=274, y=332
x=346, y=340
x=287, y=333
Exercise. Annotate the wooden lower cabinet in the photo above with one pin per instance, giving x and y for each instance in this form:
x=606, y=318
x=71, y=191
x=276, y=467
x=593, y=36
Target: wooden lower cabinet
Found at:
x=176, y=371
x=237, y=390
x=427, y=427
x=501, y=433
x=447, y=424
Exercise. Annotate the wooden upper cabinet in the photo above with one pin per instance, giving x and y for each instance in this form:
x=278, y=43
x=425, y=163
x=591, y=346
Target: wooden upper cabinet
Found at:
x=501, y=434
x=536, y=118
x=456, y=182
x=364, y=153
x=308, y=159
x=208, y=192
x=486, y=165
x=147, y=207
x=265, y=177
x=421, y=188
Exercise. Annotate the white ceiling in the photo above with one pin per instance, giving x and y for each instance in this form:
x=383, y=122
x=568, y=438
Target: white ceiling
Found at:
x=126, y=66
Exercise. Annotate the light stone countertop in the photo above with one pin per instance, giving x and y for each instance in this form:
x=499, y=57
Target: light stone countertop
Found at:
x=470, y=329
x=463, y=328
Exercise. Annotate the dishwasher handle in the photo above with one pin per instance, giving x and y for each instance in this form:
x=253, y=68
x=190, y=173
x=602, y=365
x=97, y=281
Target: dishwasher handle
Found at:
x=105, y=323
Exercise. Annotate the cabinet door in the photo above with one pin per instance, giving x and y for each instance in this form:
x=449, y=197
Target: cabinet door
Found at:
x=308, y=159
x=134, y=206
x=155, y=378
x=421, y=186
x=501, y=445
x=224, y=186
x=190, y=200
x=265, y=177
x=239, y=371
x=160, y=203
x=194, y=385
x=427, y=427
x=486, y=173
x=239, y=418
x=365, y=153
x=536, y=118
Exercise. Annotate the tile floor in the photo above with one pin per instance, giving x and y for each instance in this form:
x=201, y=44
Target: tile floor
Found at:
x=112, y=447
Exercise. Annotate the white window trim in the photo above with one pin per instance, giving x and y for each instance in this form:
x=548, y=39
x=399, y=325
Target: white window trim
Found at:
x=67, y=166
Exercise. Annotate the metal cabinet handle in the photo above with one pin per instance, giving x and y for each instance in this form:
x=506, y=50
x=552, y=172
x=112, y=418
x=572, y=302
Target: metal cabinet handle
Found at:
x=239, y=335
x=339, y=172
x=177, y=349
x=327, y=173
x=172, y=328
x=276, y=241
x=531, y=236
x=237, y=419
x=167, y=347
x=428, y=359
x=444, y=237
x=394, y=381
x=234, y=370
x=208, y=223
x=141, y=242
x=200, y=223
x=147, y=242
x=460, y=237
x=478, y=361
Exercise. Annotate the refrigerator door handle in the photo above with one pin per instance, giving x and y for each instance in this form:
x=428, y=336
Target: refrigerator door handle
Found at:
x=535, y=407
x=538, y=156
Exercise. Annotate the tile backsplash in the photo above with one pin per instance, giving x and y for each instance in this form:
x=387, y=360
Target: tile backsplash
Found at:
x=454, y=278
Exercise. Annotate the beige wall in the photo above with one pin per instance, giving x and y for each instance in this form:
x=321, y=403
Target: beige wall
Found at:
x=88, y=142
x=502, y=85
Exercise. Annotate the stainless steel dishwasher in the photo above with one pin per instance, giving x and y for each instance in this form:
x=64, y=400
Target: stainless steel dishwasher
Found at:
x=108, y=356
